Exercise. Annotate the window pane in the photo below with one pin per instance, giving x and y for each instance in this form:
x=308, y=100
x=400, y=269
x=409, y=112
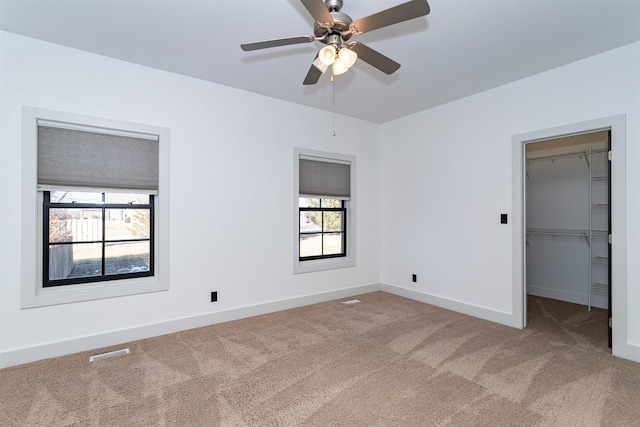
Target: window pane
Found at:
x=75, y=197
x=75, y=225
x=124, y=224
x=332, y=243
x=131, y=257
x=127, y=198
x=310, y=245
x=331, y=203
x=77, y=260
x=310, y=222
x=60, y=228
x=332, y=221
x=304, y=202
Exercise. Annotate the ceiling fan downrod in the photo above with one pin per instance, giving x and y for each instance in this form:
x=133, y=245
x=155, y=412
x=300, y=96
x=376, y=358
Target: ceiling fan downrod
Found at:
x=333, y=5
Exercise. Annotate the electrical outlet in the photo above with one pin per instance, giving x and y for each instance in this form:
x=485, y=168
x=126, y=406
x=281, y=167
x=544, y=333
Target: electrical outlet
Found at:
x=414, y=278
x=214, y=296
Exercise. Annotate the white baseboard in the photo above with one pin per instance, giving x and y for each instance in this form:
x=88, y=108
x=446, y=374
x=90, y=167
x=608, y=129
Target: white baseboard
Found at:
x=507, y=319
x=629, y=351
x=543, y=292
x=633, y=352
x=597, y=300
x=540, y=291
x=60, y=348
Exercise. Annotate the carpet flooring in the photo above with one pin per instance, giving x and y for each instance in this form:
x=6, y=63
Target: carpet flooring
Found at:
x=386, y=361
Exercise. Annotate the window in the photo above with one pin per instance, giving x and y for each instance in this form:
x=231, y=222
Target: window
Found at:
x=324, y=203
x=100, y=191
x=91, y=237
x=322, y=228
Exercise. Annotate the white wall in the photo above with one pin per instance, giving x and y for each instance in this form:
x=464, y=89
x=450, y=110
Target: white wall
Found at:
x=430, y=188
x=446, y=176
x=231, y=182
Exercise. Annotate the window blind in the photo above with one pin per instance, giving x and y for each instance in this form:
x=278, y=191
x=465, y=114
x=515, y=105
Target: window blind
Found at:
x=318, y=178
x=79, y=157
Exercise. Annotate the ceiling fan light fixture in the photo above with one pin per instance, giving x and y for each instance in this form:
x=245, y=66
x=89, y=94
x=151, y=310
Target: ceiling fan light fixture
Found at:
x=327, y=55
x=347, y=57
x=339, y=67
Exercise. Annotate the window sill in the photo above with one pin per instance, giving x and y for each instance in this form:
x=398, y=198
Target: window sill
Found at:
x=42, y=297
x=322, y=264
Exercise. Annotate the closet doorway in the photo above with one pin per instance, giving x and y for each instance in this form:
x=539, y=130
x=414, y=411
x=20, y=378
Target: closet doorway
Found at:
x=568, y=224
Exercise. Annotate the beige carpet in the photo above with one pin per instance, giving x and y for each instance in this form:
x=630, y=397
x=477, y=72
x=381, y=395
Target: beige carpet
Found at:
x=386, y=361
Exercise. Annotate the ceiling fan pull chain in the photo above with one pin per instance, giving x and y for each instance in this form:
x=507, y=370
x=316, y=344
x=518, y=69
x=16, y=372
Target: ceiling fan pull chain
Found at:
x=333, y=83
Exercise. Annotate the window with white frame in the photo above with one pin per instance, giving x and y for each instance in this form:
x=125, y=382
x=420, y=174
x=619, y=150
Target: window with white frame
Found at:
x=97, y=186
x=324, y=203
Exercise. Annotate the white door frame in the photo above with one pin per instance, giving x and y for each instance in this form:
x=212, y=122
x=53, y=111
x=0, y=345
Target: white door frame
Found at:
x=617, y=125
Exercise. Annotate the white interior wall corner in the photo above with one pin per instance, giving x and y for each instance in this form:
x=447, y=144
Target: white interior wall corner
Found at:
x=450, y=169
x=437, y=182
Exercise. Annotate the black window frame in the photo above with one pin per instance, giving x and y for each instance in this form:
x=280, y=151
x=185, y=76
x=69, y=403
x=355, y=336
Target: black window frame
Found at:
x=343, y=232
x=103, y=206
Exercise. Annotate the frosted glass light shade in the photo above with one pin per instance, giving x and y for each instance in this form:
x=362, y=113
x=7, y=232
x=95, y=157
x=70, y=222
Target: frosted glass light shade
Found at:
x=327, y=54
x=347, y=57
x=339, y=67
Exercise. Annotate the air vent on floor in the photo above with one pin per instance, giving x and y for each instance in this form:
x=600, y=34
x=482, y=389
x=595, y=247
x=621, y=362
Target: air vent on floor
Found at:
x=108, y=355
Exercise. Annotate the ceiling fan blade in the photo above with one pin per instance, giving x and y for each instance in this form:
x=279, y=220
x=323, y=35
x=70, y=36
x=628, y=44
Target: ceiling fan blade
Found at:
x=313, y=75
x=394, y=15
x=275, y=43
x=318, y=11
x=375, y=58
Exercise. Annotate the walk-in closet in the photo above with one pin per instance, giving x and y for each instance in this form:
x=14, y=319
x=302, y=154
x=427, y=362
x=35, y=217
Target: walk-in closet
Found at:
x=567, y=219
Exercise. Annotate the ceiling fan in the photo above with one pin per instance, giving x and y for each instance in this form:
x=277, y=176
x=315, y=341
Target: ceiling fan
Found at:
x=335, y=29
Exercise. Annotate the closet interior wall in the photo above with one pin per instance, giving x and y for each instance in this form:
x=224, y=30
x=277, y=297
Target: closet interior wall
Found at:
x=567, y=219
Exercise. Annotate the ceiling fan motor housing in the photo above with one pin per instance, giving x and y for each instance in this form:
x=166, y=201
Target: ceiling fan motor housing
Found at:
x=340, y=27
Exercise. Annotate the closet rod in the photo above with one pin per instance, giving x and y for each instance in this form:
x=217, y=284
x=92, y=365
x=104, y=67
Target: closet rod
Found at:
x=558, y=232
x=565, y=155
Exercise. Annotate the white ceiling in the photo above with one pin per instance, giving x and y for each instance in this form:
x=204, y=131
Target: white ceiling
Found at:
x=462, y=47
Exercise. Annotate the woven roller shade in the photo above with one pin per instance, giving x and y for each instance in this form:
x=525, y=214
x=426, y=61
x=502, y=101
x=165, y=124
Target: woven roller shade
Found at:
x=324, y=179
x=73, y=158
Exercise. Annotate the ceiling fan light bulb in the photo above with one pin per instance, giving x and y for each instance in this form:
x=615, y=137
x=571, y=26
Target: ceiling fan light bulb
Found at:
x=327, y=55
x=347, y=57
x=339, y=67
